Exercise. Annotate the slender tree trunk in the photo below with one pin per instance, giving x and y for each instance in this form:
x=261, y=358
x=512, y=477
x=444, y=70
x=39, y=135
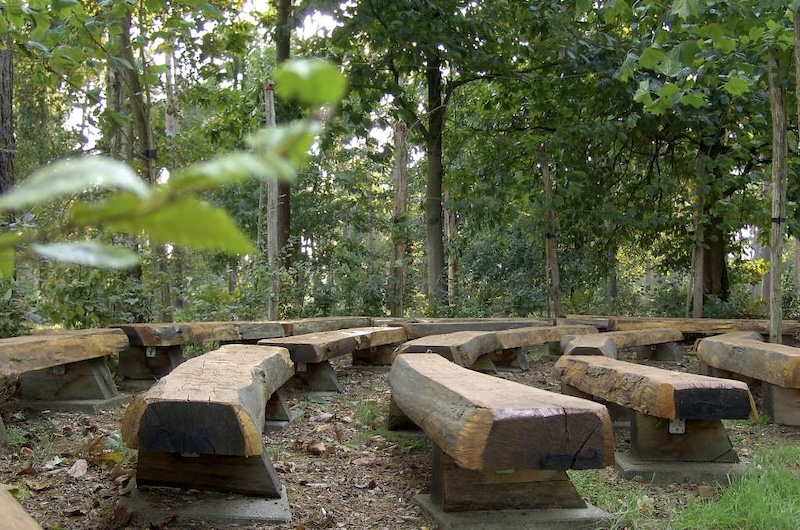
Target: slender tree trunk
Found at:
x=273, y=235
x=8, y=146
x=797, y=108
x=780, y=154
x=612, y=285
x=434, y=230
x=450, y=228
x=698, y=255
x=283, y=42
x=550, y=237
x=400, y=177
x=715, y=267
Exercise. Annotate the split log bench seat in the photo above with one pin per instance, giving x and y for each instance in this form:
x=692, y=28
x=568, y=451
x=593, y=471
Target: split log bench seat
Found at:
x=498, y=445
x=416, y=328
x=655, y=344
x=775, y=366
x=312, y=352
x=483, y=350
x=14, y=517
x=676, y=427
x=303, y=326
x=157, y=348
x=65, y=370
x=200, y=426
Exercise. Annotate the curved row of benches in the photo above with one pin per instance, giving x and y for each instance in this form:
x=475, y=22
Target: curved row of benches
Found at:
x=497, y=444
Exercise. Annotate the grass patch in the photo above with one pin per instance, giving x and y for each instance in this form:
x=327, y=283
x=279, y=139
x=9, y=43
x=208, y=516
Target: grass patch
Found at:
x=367, y=412
x=767, y=497
x=628, y=510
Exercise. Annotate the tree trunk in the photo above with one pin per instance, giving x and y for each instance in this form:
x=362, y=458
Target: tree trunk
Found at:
x=434, y=230
x=273, y=233
x=8, y=146
x=698, y=254
x=283, y=33
x=550, y=238
x=715, y=266
x=450, y=228
x=797, y=102
x=400, y=177
x=780, y=154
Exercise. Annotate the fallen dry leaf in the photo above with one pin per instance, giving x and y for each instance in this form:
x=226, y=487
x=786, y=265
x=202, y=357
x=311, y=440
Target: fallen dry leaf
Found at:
x=284, y=467
x=122, y=516
x=316, y=447
x=26, y=452
x=706, y=492
x=78, y=469
x=367, y=461
x=322, y=417
x=39, y=485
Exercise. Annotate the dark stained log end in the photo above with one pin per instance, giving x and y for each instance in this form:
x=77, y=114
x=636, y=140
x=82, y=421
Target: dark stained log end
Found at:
x=206, y=428
x=700, y=403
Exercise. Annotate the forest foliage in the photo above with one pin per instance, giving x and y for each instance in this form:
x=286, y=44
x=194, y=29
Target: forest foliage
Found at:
x=654, y=120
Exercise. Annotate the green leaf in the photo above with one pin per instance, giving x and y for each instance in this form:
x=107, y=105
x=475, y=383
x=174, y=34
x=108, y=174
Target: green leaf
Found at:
x=311, y=82
x=693, y=99
x=628, y=67
x=668, y=91
x=120, y=63
x=72, y=176
x=89, y=253
x=736, y=86
x=191, y=223
x=686, y=8
x=642, y=94
x=94, y=214
x=671, y=65
x=650, y=57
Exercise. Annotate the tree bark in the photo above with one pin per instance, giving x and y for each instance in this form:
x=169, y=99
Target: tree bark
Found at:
x=698, y=255
x=272, y=211
x=8, y=146
x=283, y=41
x=780, y=154
x=400, y=177
x=434, y=229
x=715, y=267
x=550, y=237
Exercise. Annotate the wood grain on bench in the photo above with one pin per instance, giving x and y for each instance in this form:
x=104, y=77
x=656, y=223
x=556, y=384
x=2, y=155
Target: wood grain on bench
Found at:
x=201, y=426
x=489, y=423
x=657, y=392
x=35, y=352
x=324, y=346
x=498, y=444
x=610, y=343
x=466, y=347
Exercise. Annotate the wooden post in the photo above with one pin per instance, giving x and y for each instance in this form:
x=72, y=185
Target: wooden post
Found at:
x=550, y=237
x=777, y=97
x=272, y=216
x=400, y=177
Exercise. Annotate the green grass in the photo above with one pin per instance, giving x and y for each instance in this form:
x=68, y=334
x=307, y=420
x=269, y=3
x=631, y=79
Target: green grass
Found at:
x=367, y=412
x=767, y=497
x=626, y=509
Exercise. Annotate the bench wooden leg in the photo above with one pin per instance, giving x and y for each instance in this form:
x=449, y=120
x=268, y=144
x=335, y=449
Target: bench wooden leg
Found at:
x=664, y=352
x=513, y=358
x=253, y=475
x=456, y=489
x=782, y=404
x=317, y=377
x=620, y=416
x=701, y=441
x=139, y=362
x=396, y=420
x=278, y=408
x=375, y=356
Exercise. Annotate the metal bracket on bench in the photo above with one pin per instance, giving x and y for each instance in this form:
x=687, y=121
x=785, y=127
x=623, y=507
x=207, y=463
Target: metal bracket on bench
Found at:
x=150, y=352
x=61, y=369
x=677, y=426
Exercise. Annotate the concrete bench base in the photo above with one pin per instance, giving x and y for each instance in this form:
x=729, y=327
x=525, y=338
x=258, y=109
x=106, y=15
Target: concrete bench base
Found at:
x=152, y=505
x=630, y=467
x=587, y=518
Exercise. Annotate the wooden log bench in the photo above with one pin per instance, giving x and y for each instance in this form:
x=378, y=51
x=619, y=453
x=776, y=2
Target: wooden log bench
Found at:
x=652, y=344
x=498, y=445
x=312, y=352
x=676, y=428
x=200, y=426
x=417, y=328
x=484, y=350
x=65, y=370
x=303, y=326
x=157, y=348
x=775, y=366
x=14, y=517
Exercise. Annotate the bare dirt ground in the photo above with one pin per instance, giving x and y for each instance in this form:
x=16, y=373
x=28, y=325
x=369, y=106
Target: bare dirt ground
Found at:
x=340, y=467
